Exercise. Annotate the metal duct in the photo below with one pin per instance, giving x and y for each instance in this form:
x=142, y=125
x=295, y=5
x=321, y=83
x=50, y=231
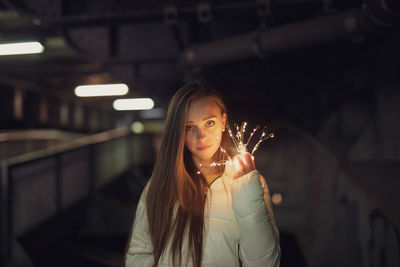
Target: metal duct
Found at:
x=376, y=18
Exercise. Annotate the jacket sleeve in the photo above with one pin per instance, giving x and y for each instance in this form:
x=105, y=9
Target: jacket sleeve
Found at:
x=259, y=237
x=140, y=249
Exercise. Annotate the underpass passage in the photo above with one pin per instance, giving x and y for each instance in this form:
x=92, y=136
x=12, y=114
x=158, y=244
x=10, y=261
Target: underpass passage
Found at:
x=77, y=205
x=48, y=194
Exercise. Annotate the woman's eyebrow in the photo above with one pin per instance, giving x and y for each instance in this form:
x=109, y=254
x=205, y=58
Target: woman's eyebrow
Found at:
x=206, y=118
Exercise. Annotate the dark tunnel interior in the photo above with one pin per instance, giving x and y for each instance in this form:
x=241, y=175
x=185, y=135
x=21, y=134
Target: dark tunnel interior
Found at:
x=322, y=75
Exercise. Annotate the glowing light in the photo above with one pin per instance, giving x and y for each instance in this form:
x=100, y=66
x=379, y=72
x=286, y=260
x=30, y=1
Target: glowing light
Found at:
x=236, y=164
x=240, y=145
x=21, y=48
x=101, y=90
x=133, y=104
x=137, y=127
x=238, y=138
x=276, y=198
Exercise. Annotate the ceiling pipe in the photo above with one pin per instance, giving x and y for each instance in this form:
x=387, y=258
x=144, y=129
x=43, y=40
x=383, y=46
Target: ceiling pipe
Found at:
x=376, y=18
x=42, y=12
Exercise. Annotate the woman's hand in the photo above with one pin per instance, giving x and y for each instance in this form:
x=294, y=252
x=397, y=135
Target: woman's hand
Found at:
x=243, y=164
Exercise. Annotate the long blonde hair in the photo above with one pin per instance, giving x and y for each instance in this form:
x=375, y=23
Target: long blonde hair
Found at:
x=176, y=195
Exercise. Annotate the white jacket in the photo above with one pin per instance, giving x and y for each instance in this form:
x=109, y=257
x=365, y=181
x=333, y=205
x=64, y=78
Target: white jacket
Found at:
x=237, y=224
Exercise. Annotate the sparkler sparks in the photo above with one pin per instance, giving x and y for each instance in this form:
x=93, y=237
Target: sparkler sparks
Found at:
x=238, y=140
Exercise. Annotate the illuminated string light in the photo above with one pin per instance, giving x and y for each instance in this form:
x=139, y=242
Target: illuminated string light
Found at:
x=240, y=145
x=238, y=139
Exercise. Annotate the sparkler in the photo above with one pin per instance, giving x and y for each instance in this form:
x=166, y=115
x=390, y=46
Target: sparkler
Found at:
x=240, y=145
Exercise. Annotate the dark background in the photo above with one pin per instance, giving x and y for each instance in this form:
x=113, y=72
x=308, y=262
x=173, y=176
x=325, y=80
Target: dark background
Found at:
x=323, y=75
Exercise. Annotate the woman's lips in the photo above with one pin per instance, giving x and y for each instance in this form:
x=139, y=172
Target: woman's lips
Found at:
x=201, y=148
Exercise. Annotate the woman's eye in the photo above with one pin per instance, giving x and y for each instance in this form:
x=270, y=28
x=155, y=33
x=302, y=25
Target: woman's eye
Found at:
x=189, y=128
x=210, y=123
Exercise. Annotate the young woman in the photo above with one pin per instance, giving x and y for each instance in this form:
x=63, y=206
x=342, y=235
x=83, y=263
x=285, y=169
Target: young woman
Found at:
x=192, y=214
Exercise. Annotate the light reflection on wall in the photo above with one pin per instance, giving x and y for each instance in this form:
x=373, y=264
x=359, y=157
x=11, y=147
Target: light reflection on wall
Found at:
x=276, y=198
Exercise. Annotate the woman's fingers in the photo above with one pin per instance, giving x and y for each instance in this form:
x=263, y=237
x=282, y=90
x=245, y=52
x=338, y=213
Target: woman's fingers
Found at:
x=238, y=165
x=249, y=162
x=243, y=164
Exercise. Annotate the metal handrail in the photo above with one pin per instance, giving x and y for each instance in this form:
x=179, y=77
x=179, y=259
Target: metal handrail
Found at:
x=71, y=145
x=38, y=134
x=7, y=231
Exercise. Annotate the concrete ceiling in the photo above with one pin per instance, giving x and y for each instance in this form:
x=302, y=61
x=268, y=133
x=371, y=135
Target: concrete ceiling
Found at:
x=142, y=43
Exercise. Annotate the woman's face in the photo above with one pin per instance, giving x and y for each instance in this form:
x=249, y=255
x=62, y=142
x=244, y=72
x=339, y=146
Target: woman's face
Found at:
x=203, y=130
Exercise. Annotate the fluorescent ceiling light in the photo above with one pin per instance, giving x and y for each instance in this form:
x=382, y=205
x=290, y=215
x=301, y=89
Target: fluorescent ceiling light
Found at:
x=133, y=104
x=21, y=48
x=101, y=90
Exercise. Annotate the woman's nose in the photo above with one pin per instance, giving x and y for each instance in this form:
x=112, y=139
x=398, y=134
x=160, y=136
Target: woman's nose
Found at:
x=200, y=134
